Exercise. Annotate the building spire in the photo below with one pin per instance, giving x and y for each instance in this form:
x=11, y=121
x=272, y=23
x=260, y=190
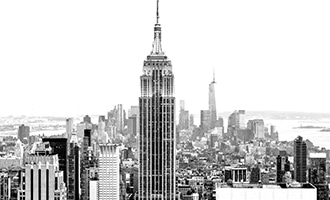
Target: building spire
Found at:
x=213, y=76
x=157, y=14
x=156, y=46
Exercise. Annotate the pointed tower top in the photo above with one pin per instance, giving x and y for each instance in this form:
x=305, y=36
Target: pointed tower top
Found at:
x=157, y=14
x=156, y=46
x=213, y=76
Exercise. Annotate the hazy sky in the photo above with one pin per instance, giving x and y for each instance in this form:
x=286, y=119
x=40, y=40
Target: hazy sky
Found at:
x=82, y=57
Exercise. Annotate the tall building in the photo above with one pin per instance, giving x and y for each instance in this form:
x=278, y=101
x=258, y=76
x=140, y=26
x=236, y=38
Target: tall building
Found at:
x=120, y=118
x=282, y=166
x=191, y=120
x=23, y=133
x=236, y=122
x=132, y=125
x=109, y=175
x=73, y=172
x=183, y=117
x=205, y=120
x=134, y=111
x=87, y=163
x=157, y=125
x=258, y=128
x=69, y=127
x=317, y=174
x=59, y=147
x=300, y=160
x=212, y=103
x=43, y=178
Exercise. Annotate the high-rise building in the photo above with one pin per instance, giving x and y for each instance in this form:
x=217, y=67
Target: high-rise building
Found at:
x=191, y=120
x=87, y=164
x=73, y=172
x=69, y=127
x=212, y=103
x=258, y=128
x=43, y=180
x=120, y=118
x=109, y=175
x=134, y=111
x=132, y=125
x=23, y=133
x=183, y=117
x=235, y=122
x=300, y=160
x=282, y=166
x=157, y=125
x=205, y=120
x=59, y=147
x=317, y=174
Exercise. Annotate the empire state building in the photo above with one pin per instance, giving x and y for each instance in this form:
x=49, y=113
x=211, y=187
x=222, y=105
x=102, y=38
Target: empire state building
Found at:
x=157, y=124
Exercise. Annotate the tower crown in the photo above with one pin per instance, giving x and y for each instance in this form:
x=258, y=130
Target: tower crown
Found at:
x=157, y=46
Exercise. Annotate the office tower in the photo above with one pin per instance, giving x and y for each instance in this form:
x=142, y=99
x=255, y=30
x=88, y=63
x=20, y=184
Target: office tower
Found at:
x=258, y=128
x=300, y=160
x=212, y=103
x=43, y=178
x=69, y=128
x=282, y=166
x=23, y=133
x=59, y=147
x=87, y=119
x=101, y=128
x=9, y=182
x=109, y=174
x=85, y=164
x=94, y=189
x=191, y=120
x=235, y=122
x=183, y=117
x=134, y=111
x=81, y=127
x=119, y=117
x=157, y=125
x=317, y=174
x=73, y=171
x=205, y=120
x=132, y=125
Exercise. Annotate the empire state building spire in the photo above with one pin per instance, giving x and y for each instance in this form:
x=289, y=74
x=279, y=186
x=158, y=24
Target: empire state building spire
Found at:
x=157, y=46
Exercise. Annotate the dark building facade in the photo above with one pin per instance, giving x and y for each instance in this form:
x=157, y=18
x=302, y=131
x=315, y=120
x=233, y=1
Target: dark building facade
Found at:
x=73, y=172
x=282, y=166
x=300, y=160
x=59, y=147
x=157, y=125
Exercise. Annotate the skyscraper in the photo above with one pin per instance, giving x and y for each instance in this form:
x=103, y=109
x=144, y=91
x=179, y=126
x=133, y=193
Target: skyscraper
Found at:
x=109, y=175
x=300, y=159
x=282, y=166
x=23, y=133
x=212, y=104
x=59, y=147
x=157, y=124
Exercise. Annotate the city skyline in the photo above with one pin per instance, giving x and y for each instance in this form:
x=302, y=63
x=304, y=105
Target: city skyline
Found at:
x=66, y=58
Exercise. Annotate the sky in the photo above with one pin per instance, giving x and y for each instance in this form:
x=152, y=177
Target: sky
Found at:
x=68, y=58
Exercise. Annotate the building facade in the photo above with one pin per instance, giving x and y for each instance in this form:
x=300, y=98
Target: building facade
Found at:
x=23, y=133
x=300, y=160
x=157, y=125
x=212, y=103
x=109, y=175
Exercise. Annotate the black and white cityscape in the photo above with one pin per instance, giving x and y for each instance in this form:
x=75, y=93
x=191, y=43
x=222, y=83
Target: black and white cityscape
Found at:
x=160, y=147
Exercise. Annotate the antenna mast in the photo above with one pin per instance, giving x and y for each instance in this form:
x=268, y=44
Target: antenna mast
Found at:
x=157, y=11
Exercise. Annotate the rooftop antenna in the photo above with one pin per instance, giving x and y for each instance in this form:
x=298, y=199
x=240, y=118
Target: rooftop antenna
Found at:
x=213, y=76
x=157, y=11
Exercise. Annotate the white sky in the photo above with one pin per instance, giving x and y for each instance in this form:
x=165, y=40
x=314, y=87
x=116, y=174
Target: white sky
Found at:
x=82, y=57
